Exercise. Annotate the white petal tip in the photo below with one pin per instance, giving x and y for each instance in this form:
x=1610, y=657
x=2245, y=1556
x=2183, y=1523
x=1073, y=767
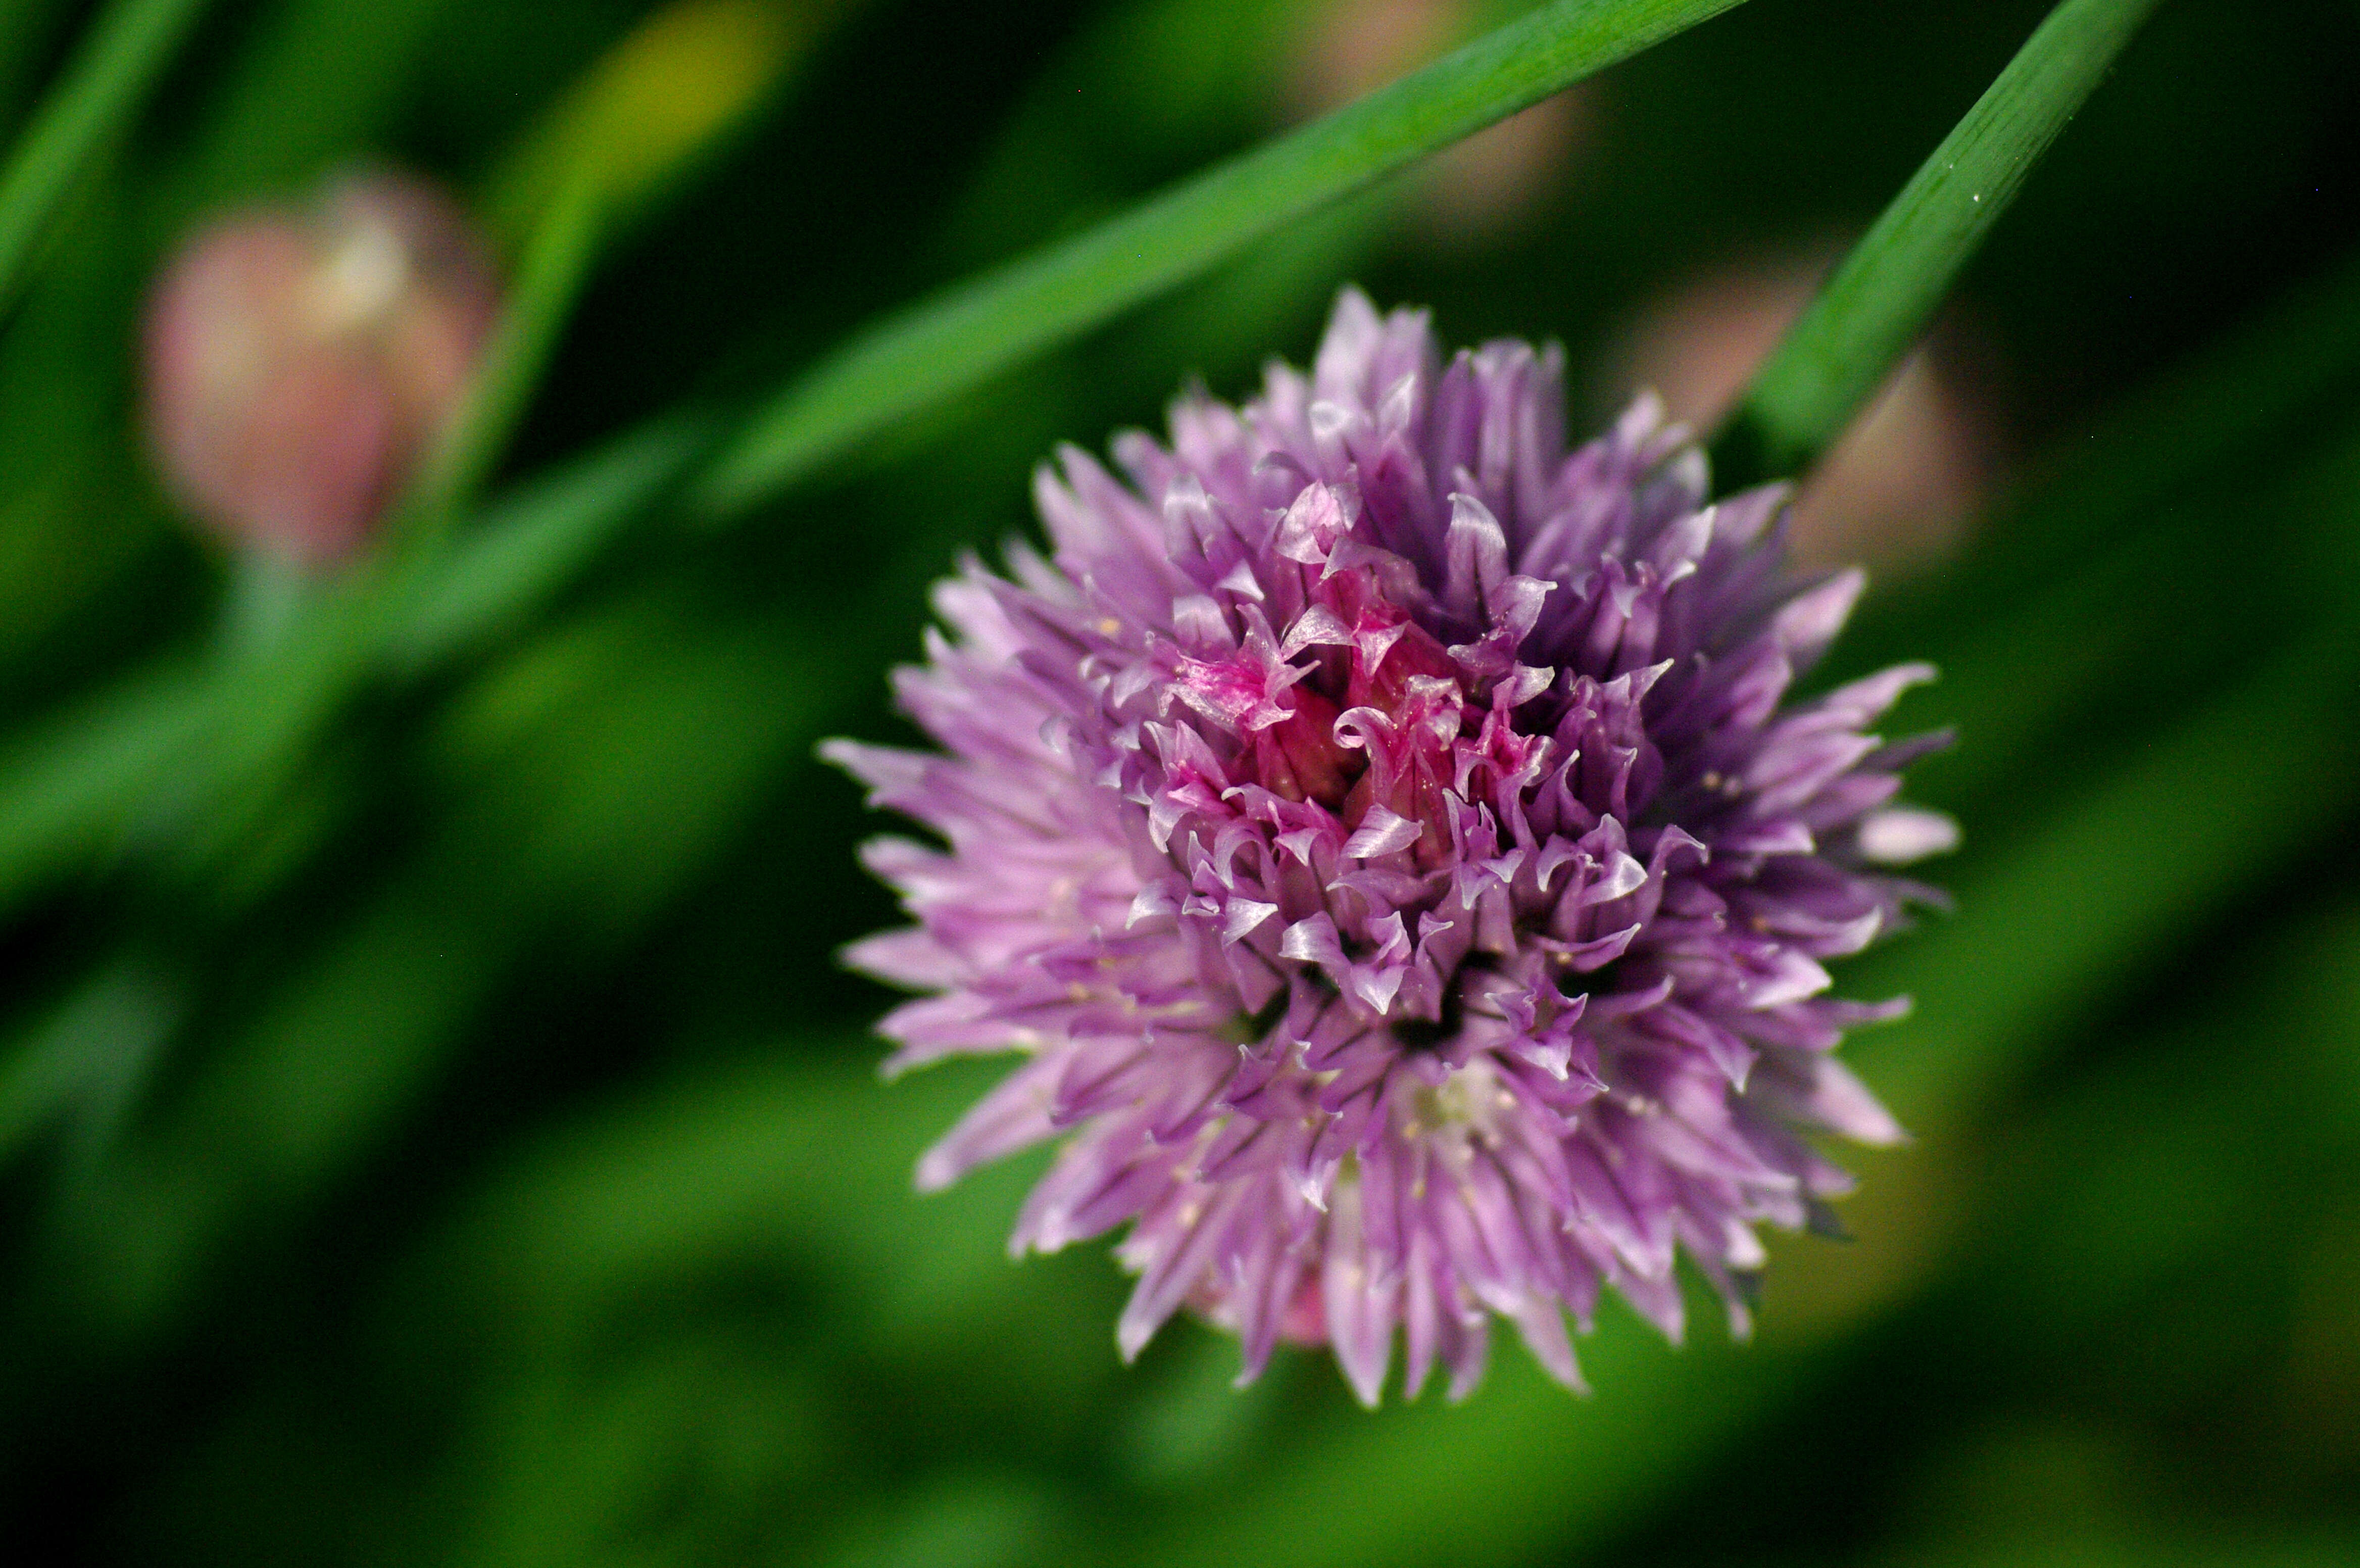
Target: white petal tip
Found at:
x=1898, y=835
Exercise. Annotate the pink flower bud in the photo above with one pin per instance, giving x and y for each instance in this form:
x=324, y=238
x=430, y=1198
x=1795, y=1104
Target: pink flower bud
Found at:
x=299, y=361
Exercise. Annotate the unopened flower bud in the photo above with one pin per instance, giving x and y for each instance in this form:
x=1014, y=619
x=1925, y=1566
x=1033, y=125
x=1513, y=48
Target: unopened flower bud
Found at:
x=299, y=361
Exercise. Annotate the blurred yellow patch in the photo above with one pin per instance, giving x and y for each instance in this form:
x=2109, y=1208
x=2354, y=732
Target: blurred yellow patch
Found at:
x=655, y=102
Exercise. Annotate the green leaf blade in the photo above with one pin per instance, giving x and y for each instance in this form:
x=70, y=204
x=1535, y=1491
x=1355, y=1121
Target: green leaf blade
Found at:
x=959, y=339
x=124, y=53
x=490, y=577
x=555, y=268
x=1833, y=360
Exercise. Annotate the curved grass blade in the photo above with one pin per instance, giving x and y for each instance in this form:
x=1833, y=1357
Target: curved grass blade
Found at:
x=959, y=339
x=556, y=265
x=492, y=575
x=1865, y=320
x=644, y=113
x=70, y=791
x=120, y=59
x=89, y=1055
x=27, y=27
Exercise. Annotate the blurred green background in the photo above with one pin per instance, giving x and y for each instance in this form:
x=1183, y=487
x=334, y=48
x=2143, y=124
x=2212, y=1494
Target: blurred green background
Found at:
x=438, y=1130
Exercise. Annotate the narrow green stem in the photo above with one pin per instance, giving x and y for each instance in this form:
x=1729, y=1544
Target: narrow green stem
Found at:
x=1833, y=358
x=495, y=573
x=267, y=593
x=125, y=51
x=556, y=264
x=91, y=1056
x=959, y=339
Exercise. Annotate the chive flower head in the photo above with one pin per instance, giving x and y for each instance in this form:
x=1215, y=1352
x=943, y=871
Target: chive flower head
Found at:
x=1387, y=839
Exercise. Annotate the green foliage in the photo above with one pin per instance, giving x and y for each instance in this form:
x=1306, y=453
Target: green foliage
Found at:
x=128, y=48
x=1889, y=286
x=434, y=1128
x=950, y=345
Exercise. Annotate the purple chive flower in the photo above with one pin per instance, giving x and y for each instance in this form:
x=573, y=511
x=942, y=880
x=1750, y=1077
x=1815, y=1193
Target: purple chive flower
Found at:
x=1380, y=831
